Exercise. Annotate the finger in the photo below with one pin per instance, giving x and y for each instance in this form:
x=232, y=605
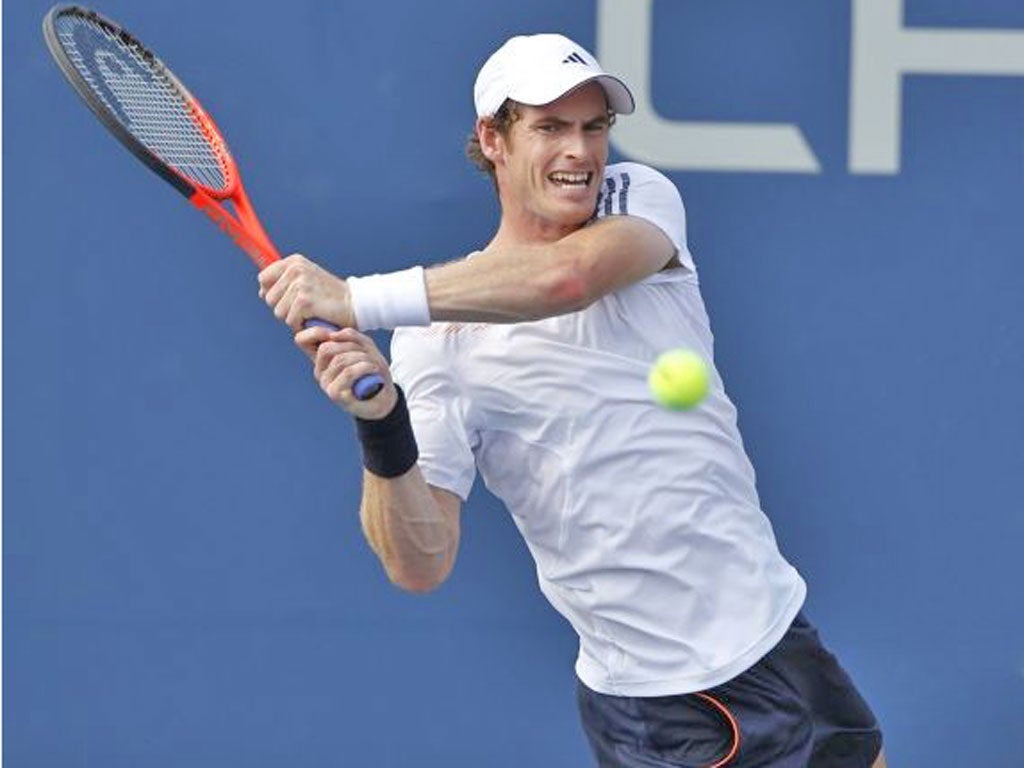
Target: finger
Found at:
x=333, y=378
x=276, y=291
x=270, y=275
x=340, y=386
x=351, y=334
x=313, y=334
x=344, y=360
x=361, y=340
x=299, y=308
x=281, y=306
x=309, y=339
x=367, y=344
x=345, y=370
x=329, y=351
x=333, y=348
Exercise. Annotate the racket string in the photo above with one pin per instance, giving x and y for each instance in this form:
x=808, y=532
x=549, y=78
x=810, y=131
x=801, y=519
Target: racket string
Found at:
x=134, y=87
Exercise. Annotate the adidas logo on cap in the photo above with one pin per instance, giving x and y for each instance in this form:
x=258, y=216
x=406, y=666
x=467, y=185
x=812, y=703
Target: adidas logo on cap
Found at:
x=574, y=58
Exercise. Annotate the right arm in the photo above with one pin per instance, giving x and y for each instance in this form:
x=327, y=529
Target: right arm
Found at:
x=411, y=526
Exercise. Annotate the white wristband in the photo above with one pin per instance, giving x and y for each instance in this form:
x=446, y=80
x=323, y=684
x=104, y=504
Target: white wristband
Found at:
x=388, y=301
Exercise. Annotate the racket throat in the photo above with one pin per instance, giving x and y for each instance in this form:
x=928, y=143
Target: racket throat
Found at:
x=251, y=239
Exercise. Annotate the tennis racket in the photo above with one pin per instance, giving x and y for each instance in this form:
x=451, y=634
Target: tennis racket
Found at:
x=154, y=116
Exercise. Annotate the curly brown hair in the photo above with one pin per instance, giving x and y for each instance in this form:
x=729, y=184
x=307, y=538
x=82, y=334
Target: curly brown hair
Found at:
x=502, y=121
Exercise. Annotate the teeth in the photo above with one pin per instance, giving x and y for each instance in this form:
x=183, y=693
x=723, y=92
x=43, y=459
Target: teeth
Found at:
x=570, y=179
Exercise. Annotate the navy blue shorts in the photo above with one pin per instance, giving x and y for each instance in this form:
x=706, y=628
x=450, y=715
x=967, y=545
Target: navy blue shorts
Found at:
x=795, y=708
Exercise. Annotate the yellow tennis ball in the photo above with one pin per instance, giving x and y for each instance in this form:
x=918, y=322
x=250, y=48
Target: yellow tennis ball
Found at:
x=679, y=379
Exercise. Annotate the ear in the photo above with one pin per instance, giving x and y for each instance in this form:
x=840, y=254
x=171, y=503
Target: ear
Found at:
x=492, y=143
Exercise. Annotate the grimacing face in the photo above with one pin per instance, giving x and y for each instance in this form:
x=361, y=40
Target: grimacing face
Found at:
x=549, y=167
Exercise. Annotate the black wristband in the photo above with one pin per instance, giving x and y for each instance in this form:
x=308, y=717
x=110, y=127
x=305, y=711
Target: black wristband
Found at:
x=389, y=446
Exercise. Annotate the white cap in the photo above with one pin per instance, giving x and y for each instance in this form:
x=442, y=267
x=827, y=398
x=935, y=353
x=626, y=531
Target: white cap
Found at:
x=537, y=69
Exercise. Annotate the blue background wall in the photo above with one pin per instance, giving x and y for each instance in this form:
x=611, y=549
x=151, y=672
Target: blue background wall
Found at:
x=185, y=582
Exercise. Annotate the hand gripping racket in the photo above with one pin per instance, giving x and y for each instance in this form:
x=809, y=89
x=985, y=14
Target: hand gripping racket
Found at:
x=154, y=116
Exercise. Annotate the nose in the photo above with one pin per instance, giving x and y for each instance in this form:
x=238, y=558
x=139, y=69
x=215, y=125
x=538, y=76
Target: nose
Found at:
x=575, y=144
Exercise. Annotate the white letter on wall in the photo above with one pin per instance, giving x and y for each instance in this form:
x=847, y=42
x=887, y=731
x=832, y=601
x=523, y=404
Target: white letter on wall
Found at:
x=624, y=48
x=882, y=51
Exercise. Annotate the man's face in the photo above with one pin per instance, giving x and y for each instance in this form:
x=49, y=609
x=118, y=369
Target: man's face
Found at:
x=553, y=158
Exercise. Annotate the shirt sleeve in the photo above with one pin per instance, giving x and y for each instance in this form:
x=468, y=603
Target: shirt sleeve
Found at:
x=435, y=409
x=632, y=189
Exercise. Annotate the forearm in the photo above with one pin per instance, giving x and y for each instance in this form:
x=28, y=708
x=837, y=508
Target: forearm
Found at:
x=511, y=284
x=506, y=285
x=413, y=535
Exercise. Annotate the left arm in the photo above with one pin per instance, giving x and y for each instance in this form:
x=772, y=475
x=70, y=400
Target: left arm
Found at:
x=500, y=285
x=508, y=285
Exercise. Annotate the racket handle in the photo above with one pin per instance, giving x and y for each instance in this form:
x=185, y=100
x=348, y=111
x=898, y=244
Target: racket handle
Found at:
x=367, y=386
x=364, y=387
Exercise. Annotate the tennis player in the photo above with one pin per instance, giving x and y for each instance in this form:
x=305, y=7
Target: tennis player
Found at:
x=527, y=362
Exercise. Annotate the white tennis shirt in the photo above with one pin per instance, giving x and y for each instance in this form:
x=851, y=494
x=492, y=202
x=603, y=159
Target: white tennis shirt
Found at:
x=644, y=523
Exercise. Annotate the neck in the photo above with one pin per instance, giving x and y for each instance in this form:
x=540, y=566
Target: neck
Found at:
x=524, y=228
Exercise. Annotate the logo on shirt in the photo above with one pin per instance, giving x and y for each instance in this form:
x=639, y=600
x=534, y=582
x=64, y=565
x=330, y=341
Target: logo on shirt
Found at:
x=614, y=197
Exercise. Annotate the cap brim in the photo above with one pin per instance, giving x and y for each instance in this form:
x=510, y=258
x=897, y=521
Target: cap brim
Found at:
x=620, y=99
